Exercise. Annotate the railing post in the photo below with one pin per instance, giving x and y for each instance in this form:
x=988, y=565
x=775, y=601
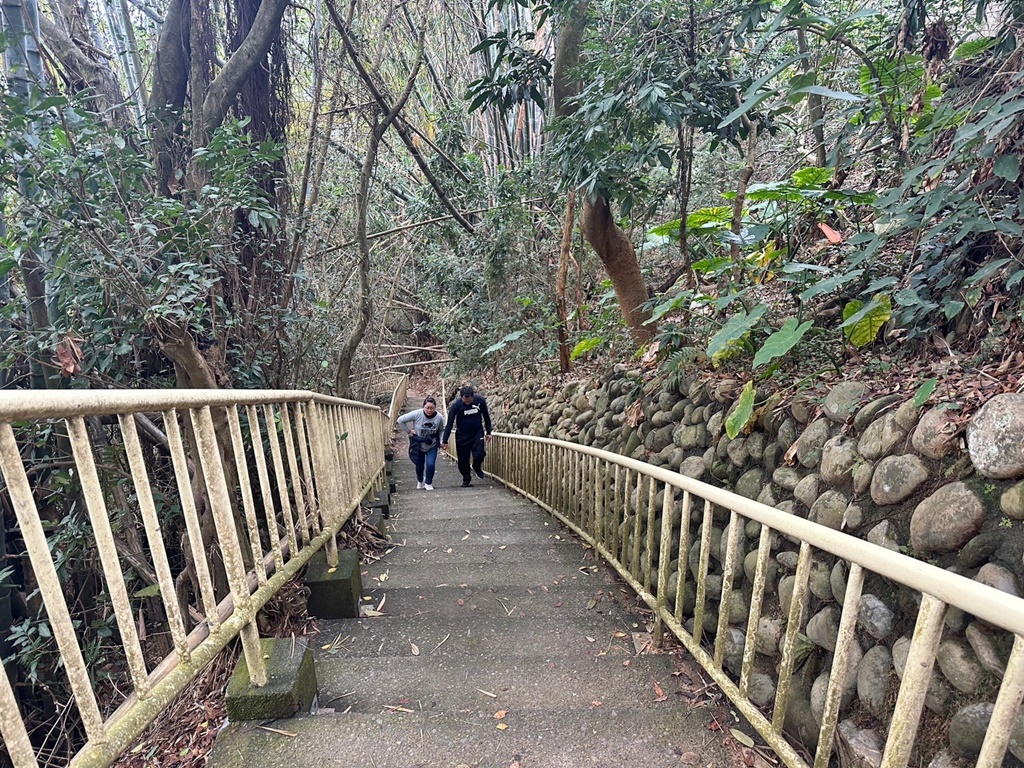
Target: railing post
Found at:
x=224, y=521
x=49, y=584
x=840, y=662
x=917, y=673
x=796, y=610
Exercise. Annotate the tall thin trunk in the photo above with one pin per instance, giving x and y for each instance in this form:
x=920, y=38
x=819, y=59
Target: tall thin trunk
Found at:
x=815, y=108
x=685, y=138
x=23, y=66
x=741, y=197
x=346, y=357
x=564, y=254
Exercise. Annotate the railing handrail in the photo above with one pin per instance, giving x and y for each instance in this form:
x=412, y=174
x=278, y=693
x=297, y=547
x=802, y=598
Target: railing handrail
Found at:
x=592, y=492
x=284, y=502
x=992, y=605
x=23, y=405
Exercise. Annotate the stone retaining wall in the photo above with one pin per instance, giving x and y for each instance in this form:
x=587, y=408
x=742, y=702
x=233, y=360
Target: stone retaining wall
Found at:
x=877, y=467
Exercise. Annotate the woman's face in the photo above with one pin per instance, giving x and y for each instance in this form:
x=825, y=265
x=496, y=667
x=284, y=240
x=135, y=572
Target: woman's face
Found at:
x=429, y=409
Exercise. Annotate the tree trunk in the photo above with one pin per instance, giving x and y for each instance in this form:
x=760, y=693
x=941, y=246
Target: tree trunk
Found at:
x=815, y=108
x=616, y=252
x=170, y=88
x=611, y=244
x=741, y=196
x=564, y=254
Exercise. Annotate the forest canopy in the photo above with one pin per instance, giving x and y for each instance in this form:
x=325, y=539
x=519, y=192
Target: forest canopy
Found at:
x=271, y=194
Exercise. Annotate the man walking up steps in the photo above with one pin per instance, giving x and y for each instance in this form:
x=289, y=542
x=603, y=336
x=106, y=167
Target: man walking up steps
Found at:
x=472, y=423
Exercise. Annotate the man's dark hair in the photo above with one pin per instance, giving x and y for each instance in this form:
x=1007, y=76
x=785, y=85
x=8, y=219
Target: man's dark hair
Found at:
x=466, y=392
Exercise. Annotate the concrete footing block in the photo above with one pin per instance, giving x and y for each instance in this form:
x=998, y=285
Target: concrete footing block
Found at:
x=291, y=687
x=376, y=519
x=334, y=593
x=382, y=502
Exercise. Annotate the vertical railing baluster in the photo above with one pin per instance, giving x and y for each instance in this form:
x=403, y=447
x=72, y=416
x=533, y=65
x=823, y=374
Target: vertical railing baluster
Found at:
x=684, y=555
x=302, y=524
x=266, y=491
x=906, y=716
x=1004, y=716
x=154, y=532
x=652, y=500
x=731, y=555
x=282, y=480
x=702, y=570
x=227, y=535
x=840, y=663
x=664, y=556
x=634, y=564
x=92, y=490
x=49, y=584
x=193, y=527
x=312, y=501
x=764, y=553
x=248, y=505
x=12, y=727
x=612, y=516
x=796, y=611
x=347, y=460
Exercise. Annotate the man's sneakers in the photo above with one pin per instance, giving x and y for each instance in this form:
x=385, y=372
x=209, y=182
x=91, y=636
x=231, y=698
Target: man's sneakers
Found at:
x=419, y=485
x=428, y=487
x=466, y=482
x=480, y=473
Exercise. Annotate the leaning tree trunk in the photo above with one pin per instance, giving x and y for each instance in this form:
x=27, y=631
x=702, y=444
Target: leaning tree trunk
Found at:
x=615, y=250
x=343, y=375
x=612, y=245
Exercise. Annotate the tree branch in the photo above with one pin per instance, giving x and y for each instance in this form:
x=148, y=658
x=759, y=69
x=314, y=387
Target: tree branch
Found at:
x=399, y=126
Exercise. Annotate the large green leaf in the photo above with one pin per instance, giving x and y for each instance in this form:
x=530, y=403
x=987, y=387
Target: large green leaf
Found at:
x=741, y=413
x=830, y=284
x=828, y=93
x=783, y=340
x=862, y=322
x=735, y=328
x=924, y=392
x=509, y=337
x=1007, y=167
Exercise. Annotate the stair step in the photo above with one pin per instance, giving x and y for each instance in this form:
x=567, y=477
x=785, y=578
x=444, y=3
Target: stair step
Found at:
x=517, y=601
x=490, y=550
x=451, y=683
x=531, y=739
x=440, y=570
x=595, y=633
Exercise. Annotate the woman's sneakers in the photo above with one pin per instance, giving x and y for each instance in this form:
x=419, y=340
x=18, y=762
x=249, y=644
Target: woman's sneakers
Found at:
x=419, y=485
x=428, y=487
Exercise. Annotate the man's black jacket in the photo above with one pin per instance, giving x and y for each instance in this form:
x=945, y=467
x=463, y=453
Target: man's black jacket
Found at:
x=471, y=421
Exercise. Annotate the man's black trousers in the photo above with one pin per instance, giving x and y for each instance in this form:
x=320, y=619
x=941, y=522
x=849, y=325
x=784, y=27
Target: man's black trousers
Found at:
x=470, y=451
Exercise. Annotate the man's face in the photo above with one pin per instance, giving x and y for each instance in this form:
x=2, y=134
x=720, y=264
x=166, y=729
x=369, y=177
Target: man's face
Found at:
x=467, y=399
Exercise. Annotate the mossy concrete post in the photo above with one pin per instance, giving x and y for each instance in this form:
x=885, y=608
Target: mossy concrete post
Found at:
x=291, y=687
x=381, y=502
x=334, y=593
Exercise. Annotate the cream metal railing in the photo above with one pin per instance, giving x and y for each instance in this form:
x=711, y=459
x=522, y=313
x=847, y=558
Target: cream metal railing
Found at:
x=401, y=385
x=592, y=491
x=269, y=515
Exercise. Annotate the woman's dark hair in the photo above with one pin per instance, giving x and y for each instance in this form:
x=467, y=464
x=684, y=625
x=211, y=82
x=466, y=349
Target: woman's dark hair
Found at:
x=429, y=400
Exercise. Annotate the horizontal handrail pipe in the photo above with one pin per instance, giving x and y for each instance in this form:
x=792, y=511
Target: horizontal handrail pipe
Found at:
x=192, y=532
x=639, y=517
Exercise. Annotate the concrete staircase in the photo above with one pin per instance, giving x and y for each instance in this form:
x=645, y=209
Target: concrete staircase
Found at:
x=500, y=642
